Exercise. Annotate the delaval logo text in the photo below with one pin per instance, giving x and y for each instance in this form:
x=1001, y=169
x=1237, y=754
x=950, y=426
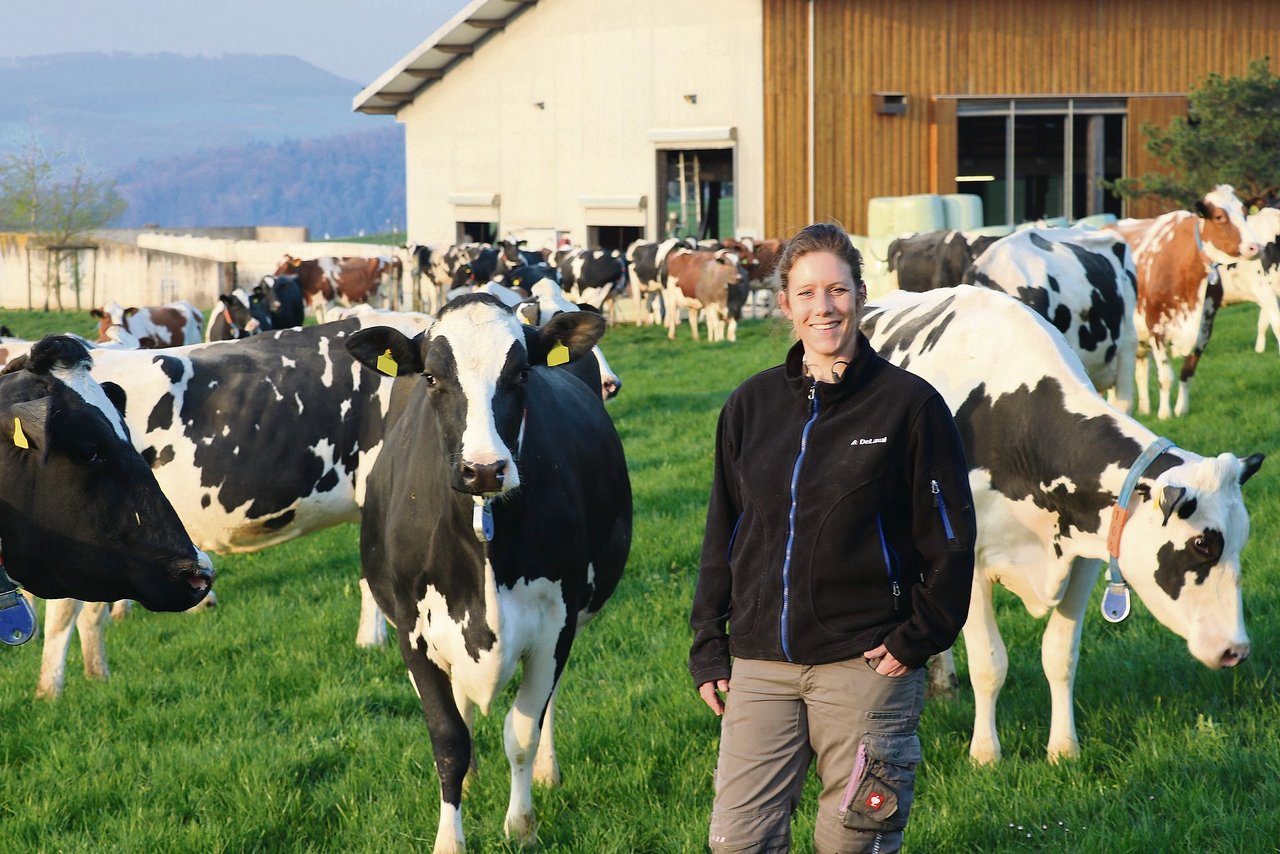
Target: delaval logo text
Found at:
x=880, y=441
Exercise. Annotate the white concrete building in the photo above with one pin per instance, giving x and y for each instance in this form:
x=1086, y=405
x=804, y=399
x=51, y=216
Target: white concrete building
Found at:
x=573, y=118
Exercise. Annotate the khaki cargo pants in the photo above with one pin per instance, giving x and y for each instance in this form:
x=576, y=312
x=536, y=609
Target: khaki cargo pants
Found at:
x=861, y=727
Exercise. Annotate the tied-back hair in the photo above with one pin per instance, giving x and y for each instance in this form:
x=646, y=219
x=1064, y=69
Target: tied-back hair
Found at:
x=820, y=237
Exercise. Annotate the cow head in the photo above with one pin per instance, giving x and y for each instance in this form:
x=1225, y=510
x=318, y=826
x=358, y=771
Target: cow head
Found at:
x=245, y=313
x=1181, y=553
x=475, y=361
x=82, y=515
x=1223, y=223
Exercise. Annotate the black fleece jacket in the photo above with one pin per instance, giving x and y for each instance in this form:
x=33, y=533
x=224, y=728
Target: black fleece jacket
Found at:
x=840, y=518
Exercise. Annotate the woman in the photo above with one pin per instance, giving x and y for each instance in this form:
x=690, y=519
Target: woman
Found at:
x=837, y=558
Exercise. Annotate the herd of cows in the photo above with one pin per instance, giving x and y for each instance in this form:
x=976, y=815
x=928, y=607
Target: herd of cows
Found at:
x=499, y=500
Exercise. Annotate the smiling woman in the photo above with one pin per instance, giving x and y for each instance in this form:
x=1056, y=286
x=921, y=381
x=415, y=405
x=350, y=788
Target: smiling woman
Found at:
x=838, y=592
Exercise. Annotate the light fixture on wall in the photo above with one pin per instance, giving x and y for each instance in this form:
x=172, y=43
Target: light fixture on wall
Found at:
x=691, y=98
x=541, y=105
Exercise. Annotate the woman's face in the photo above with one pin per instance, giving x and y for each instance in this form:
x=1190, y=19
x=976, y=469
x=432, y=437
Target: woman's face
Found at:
x=824, y=304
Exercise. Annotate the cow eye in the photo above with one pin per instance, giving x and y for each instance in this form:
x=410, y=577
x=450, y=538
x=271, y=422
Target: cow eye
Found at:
x=523, y=376
x=431, y=380
x=90, y=454
x=1201, y=545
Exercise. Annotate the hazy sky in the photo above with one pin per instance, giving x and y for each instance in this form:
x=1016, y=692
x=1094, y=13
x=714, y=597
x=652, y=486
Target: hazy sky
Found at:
x=355, y=39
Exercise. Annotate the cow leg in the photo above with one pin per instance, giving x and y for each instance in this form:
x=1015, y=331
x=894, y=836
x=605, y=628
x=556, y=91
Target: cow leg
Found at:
x=546, y=768
x=1126, y=359
x=1188, y=371
x=1164, y=376
x=943, y=682
x=988, y=665
x=373, y=626
x=1142, y=379
x=1059, y=653
x=59, y=621
x=695, y=309
x=733, y=328
x=92, y=625
x=121, y=608
x=450, y=741
x=522, y=732
x=673, y=299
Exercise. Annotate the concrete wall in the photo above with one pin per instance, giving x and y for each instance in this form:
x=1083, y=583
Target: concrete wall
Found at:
x=611, y=76
x=160, y=269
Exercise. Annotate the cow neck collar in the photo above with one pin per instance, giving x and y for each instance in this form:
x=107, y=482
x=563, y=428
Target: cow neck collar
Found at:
x=482, y=512
x=231, y=324
x=1115, y=601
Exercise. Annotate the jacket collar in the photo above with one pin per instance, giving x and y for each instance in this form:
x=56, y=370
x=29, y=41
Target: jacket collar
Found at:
x=864, y=365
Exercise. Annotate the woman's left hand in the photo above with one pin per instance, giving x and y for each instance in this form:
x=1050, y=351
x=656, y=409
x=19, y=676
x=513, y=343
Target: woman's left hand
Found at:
x=886, y=664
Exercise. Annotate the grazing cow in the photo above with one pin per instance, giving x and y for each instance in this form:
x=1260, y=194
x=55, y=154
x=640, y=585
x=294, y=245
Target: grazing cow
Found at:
x=243, y=314
x=1083, y=282
x=478, y=586
x=1258, y=280
x=1178, y=256
x=255, y=442
x=346, y=280
x=645, y=262
x=1048, y=464
x=934, y=259
x=288, y=310
x=592, y=276
x=171, y=325
x=83, y=515
x=709, y=280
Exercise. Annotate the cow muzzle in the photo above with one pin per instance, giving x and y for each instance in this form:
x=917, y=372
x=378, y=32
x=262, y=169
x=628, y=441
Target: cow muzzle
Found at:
x=1234, y=655
x=482, y=478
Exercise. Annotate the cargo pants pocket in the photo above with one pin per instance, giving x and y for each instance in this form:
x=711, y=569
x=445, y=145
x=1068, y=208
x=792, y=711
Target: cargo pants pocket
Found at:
x=883, y=782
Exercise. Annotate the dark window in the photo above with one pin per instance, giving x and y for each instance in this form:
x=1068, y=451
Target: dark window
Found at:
x=477, y=232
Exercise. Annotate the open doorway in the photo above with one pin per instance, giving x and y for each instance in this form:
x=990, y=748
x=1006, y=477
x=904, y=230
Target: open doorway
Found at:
x=613, y=237
x=698, y=188
x=477, y=232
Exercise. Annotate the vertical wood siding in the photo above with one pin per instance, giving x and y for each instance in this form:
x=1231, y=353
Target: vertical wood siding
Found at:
x=927, y=48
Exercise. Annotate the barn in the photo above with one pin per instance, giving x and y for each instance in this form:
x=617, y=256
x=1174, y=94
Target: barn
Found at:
x=608, y=120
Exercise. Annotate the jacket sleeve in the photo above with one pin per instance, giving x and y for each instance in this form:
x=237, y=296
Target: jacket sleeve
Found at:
x=944, y=529
x=709, y=655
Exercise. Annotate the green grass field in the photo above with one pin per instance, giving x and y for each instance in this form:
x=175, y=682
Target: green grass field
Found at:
x=260, y=727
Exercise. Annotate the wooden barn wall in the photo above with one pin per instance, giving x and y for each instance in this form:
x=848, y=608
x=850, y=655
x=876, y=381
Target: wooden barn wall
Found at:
x=1157, y=111
x=927, y=48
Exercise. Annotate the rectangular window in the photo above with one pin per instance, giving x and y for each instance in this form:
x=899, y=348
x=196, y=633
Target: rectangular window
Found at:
x=1040, y=159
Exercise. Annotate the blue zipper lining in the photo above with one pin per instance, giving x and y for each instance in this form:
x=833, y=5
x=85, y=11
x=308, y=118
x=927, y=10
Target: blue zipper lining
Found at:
x=890, y=567
x=728, y=555
x=791, y=526
x=942, y=511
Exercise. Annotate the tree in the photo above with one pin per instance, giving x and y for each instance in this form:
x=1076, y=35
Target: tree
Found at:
x=60, y=205
x=1231, y=135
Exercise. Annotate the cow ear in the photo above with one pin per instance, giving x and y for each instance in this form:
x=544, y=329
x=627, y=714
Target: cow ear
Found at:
x=26, y=424
x=1249, y=466
x=96, y=312
x=387, y=350
x=528, y=311
x=116, y=395
x=130, y=311
x=577, y=331
x=227, y=299
x=1169, y=499
x=1202, y=209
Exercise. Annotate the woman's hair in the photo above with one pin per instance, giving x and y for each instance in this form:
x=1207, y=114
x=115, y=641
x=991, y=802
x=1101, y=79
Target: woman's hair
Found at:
x=820, y=237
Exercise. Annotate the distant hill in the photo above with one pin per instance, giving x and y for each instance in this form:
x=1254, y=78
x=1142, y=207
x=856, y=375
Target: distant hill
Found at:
x=210, y=141
x=338, y=185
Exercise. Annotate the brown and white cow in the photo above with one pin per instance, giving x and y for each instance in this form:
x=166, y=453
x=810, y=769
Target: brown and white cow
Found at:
x=1178, y=256
x=708, y=281
x=171, y=325
x=346, y=280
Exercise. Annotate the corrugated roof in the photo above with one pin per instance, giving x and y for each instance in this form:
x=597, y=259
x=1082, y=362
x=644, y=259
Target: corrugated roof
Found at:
x=461, y=36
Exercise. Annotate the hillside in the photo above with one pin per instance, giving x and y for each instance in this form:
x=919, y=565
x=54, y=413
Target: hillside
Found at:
x=212, y=141
x=337, y=185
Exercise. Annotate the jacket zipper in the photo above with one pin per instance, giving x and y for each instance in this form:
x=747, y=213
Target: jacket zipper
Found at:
x=791, y=521
x=889, y=566
x=942, y=511
x=728, y=555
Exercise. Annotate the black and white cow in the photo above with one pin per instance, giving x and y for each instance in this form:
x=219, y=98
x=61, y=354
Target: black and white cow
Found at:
x=255, y=442
x=242, y=313
x=934, y=259
x=1083, y=282
x=645, y=261
x=286, y=305
x=1257, y=280
x=1047, y=461
x=497, y=523
x=592, y=276
x=82, y=515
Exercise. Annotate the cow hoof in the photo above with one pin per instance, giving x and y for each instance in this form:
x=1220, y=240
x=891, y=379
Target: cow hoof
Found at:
x=1068, y=751
x=984, y=755
x=523, y=829
x=547, y=774
x=48, y=692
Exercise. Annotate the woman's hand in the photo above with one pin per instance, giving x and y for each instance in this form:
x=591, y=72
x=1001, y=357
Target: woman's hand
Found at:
x=886, y=664
x=710, y=693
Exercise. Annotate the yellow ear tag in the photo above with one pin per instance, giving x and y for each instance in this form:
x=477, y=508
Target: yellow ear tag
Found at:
x=525, y=320
x=19, y=438
x=559, y=354
x=388, y=365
